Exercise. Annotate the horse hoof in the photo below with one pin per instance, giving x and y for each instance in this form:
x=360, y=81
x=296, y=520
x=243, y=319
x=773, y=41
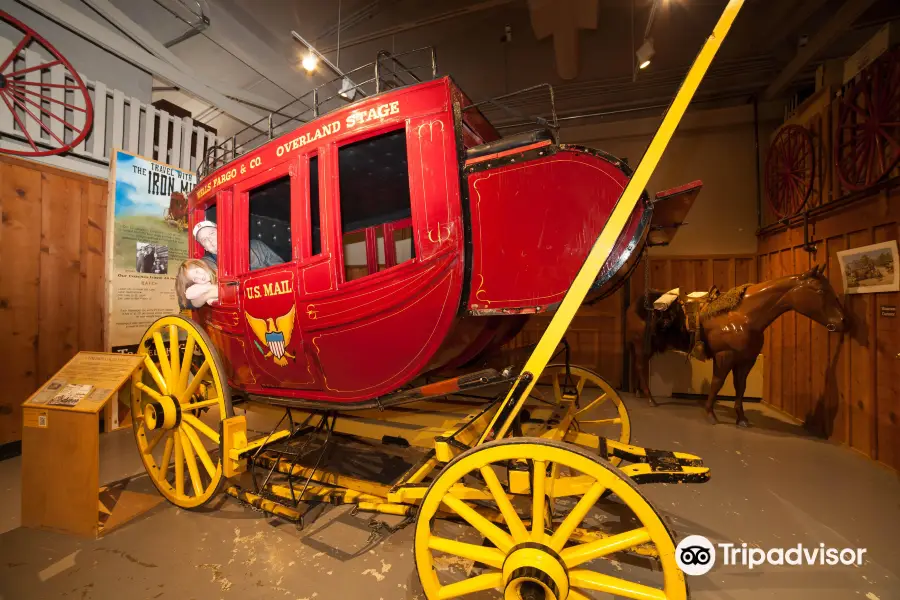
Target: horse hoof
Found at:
x=743, y=423
x=711, y=418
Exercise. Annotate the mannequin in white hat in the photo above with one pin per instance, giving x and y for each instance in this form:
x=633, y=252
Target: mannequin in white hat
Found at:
x=261, y=256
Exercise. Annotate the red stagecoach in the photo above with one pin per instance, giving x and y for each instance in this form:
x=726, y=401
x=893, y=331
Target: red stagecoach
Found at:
x=367, y=263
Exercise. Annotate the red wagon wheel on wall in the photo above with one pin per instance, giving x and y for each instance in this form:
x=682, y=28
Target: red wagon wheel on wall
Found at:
x=52, y=122
x=790, y=168
x=867, y=136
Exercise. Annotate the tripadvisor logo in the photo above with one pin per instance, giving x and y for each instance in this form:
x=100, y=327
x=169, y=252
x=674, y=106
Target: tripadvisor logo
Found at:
x=696, y=555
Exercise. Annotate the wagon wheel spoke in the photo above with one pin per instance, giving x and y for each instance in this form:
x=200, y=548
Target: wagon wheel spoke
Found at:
x=615, y=421
x=189, y=392
x=15, y=86
x=19, y=99
x=199, y=449
x=595, y=402
x=538, y=499
x=174, y=358
x=41, y=66
x=166, y=457
x=185, y=370
x=513, y=522
x=191, y=462
x=19, y=121
x=502, y=540
x=179, y=466
x=26, y=39
x=150, y=366
x=582, y=553
x=492, y=557
x=576, y=516
x=590, y=580
x=200, y=426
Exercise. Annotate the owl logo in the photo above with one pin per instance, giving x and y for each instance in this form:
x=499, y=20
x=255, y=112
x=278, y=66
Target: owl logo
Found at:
x=274, y=334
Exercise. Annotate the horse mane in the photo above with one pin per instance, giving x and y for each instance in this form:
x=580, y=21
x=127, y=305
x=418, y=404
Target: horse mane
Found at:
x=725, y=302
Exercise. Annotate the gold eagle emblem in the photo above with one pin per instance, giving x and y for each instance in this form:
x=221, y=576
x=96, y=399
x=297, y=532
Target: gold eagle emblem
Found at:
x=274, y=334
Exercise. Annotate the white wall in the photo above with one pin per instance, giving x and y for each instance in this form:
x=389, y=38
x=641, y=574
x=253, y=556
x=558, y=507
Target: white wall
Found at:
x=87, y=58
x=715, y=146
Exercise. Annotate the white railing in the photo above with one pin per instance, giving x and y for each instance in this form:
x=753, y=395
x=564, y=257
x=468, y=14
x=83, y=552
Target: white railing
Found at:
x=118, y=122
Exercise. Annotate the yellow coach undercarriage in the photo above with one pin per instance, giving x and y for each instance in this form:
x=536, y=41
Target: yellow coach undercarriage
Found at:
x=524, y=472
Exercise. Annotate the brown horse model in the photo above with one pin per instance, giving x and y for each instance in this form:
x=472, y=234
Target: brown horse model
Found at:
x=734, y=338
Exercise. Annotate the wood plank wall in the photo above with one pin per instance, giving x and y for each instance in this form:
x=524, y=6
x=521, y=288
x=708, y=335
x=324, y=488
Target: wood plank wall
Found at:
x=595, y=337
x=51, y=277
x=844, y=388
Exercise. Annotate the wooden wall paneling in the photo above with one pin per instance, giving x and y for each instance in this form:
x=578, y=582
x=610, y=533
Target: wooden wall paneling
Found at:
x=836, y=383
x=775, y=333
x=861, y=390
x=820, y=417
x=887, y=350
x=744, y=271
x=60, y=272
x=20, y=244
x=789, y=343
x=659, y=274
x=763, y=267
x=723, y=273
x=802, y=377
x=682, y=276
x=92, y=292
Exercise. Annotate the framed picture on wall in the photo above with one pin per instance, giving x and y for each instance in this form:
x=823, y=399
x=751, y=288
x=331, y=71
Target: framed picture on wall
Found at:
x=870, y=269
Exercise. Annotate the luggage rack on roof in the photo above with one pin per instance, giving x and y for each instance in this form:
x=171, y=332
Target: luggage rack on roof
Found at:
x=552, y=124
x=389, y=73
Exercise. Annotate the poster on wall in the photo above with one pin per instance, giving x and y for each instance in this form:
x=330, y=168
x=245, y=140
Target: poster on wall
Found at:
x=870, y=269
x=145, y=245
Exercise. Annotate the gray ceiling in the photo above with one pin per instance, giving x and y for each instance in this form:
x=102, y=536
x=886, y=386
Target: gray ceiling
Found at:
x=248, y=45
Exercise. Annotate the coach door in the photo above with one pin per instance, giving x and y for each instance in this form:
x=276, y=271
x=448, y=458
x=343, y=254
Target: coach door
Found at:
x=265, y=221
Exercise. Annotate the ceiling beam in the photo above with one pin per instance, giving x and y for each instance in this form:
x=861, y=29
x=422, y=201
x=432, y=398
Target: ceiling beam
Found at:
x=788, y=17
x=840, y=21
x=143, y=38
x=562, y=19
x=409, y=26
x=78, y=22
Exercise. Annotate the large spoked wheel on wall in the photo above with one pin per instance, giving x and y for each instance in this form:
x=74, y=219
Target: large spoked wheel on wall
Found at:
x=531, y=552
x=179, y=397
x=600, y=410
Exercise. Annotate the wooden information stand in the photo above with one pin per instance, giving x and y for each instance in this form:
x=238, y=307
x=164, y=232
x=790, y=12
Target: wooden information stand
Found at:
x=61, y=448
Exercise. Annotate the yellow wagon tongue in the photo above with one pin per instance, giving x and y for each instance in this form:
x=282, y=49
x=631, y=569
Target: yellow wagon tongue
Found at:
x=618, y=219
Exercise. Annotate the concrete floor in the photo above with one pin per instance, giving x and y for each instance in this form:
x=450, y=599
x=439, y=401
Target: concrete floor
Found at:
x=772, y=486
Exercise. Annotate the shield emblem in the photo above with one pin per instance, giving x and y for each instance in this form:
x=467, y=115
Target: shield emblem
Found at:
x=275, y=342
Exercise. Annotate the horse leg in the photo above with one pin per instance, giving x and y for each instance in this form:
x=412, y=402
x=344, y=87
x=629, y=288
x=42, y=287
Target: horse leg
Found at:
x=722, y=363
x=741, y=371
x=642, y=365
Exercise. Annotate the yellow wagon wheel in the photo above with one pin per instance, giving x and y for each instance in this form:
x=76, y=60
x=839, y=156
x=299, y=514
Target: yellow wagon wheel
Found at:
x=530, y=557
x=179, y=397
x=600, y=408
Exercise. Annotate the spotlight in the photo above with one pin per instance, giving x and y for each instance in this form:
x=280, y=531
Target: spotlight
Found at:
x=645, y=53
x=309, y=62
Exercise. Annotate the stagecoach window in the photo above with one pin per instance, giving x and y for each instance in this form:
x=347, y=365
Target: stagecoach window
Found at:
x=270, y=222
x=374, y=187
x=314, y=205
x=210, y=213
